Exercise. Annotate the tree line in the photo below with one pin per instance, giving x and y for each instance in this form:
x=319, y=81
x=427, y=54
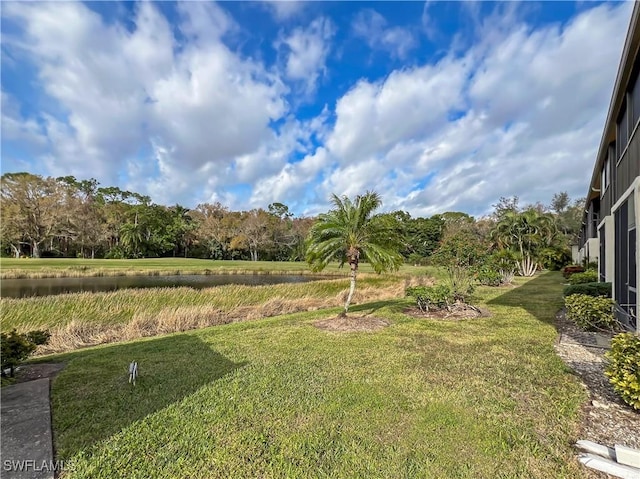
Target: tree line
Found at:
x=66, y=217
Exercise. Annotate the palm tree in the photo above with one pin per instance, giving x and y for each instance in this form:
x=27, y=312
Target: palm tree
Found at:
x=527, y=233
x=131, y=236
x=350, y=232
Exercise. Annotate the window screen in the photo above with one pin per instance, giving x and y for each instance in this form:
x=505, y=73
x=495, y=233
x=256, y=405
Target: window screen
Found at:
x=622, y=133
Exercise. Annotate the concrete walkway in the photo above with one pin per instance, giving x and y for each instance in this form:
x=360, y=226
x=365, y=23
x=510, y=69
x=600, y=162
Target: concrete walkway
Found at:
x=25, y=423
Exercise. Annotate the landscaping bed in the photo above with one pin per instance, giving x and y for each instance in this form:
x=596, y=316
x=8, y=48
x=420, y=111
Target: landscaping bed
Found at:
x=606, y=419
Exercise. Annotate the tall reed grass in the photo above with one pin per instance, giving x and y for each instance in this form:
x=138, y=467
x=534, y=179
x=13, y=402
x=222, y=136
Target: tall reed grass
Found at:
x=84, y=319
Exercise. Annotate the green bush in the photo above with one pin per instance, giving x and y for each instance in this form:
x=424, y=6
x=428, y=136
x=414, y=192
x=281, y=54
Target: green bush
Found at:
x=590, y=312
x=488, y=277
x=431, y=297
x=16, y=347
x=590, y=289
x=585, y=277
x=554, y=257
x=623, y=368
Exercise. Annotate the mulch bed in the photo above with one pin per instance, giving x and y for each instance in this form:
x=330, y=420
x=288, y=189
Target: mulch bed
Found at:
x=457, y=312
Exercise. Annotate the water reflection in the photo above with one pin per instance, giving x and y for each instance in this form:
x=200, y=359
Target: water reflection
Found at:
x=21, y=288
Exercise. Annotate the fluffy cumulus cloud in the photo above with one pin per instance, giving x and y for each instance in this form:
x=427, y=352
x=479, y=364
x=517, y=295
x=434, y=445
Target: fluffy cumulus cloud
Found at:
x=306, y=51
x=284, y=10
x=167, y=106
x=120, y=93
x=520, y=113
x=373, y=28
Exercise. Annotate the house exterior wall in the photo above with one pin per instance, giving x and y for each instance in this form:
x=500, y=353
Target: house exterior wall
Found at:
x=612, y=209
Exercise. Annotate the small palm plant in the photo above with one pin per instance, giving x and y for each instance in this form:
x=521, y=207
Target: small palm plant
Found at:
x=526, y=233
x=350, y=232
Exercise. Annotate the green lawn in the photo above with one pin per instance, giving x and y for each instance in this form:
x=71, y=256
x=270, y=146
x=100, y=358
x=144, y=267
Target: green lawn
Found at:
x=275, y=398
x=34, y=268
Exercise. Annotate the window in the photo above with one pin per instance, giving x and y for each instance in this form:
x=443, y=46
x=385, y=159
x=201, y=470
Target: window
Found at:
x=604, y=181
x=622, y=133
x=625, y=292
x=635, y=102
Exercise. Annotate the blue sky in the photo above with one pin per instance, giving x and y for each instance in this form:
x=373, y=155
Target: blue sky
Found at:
x=438, y=106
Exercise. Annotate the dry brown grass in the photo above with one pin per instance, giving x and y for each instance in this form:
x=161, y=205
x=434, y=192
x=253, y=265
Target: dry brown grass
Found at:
x=79, y=333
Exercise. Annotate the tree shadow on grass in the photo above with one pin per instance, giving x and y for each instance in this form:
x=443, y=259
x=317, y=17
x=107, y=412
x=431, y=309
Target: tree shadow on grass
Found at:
x=370, y=308
x=541, y=297
x=92, y=398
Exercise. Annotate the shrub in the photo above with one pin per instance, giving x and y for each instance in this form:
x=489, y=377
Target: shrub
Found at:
x=460, y=251
x=567, y=271
x=623, y=368
x=590, y=312
x=431, y=297
x=592, y=266
x=590, y=289
x=584, y=277
x=488, y=277
x=554, y=257
x=505, y=263
x=17, y=347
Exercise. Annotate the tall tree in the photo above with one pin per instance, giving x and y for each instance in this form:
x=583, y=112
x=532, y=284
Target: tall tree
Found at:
x=505, y=205
x=35, y=205
x=212, y=230
x=422, y=237
x=351, y=232
x=254, y=232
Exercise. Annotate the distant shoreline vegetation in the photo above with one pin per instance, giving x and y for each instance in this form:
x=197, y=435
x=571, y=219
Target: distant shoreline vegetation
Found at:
x=31, y=268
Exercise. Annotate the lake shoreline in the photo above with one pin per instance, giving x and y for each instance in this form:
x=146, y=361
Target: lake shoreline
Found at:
x=103, y=272
x=19, y=288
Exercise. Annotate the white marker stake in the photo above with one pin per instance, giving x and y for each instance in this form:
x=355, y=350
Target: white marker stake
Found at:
x=133, y=372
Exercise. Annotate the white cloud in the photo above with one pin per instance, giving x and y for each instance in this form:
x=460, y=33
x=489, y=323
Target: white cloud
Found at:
x=306, y=52
x=290, y=185
x=284, y=9
x=119, y=93
x=534, y=103
x=372, y=118
x=17, y=128
x=372, y=27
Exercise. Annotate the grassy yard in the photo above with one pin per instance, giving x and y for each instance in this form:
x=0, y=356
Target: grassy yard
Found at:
x=273, y=398
x=70, y=267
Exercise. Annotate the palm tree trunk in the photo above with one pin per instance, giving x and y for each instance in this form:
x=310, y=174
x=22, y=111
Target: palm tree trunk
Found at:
x=352, y=288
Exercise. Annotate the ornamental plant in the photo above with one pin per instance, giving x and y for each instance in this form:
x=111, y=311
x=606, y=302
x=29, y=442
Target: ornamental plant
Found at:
x=584, y=277
x=17, y=347
x=431, y=297
x=590, y=289
x=590, y=313
x=623, y=368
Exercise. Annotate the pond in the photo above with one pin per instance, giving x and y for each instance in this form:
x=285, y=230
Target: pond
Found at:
x=24, y=288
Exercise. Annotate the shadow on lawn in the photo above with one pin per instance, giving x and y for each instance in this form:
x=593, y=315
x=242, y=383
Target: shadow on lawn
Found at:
x=540, y=297
x=391, y=304
x=93, y=400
